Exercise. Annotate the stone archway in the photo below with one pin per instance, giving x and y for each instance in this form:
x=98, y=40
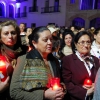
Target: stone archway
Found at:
x=78, y=22
x=94, y=20
x=78, y=16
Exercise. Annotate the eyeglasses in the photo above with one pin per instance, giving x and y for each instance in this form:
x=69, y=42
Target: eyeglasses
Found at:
x=82, y=43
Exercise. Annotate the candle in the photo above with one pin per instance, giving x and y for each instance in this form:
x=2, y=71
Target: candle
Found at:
x=3, y=71
x=88, y=82
x=55, y=86
x=55, y=83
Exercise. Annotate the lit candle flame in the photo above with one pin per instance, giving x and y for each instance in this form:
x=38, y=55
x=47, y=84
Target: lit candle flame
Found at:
x=2, y=63
x=87, y=82
x=55, y=87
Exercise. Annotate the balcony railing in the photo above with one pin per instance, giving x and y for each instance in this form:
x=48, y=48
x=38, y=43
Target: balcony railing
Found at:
x=51, y=9
x=21, y=0
x=24, y=14
x=33, y=9
x=17, y=1
x=17, y=15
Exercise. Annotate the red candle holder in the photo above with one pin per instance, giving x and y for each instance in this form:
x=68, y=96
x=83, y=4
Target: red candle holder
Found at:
x=55, y=83
x=87, y=82
x=3, y=70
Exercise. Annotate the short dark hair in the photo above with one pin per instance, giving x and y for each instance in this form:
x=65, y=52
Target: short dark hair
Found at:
x=96, y=31
x=55, y=42
x=81, y=33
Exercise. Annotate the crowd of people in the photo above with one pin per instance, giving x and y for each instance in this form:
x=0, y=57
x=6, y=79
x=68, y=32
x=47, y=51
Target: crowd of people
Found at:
x=49, y=63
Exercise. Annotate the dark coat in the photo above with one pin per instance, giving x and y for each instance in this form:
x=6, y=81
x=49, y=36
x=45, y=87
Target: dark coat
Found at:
x=16, y=92
x=74, y=73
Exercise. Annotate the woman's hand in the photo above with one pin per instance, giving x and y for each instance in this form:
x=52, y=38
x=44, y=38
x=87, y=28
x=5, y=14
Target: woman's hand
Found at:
x=57, y=94
x=4, y=85
x=64, y=87
x=90, y=89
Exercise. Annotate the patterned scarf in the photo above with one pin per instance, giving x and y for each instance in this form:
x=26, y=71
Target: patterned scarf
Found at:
x=11, y=56
x=35, y=73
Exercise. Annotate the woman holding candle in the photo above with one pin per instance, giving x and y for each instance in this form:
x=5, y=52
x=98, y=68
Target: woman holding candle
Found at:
x=78, y=67
x=10, y=49
x=32, y=77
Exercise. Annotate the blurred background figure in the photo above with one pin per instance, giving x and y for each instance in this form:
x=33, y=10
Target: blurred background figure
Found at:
x=53, y=31
x=25, y=39
x=22, y=28
x=68, y=37
x=95, y=47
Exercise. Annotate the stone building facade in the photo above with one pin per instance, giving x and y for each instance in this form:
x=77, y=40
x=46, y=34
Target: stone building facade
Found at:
x=83, y=13
x=87, y=16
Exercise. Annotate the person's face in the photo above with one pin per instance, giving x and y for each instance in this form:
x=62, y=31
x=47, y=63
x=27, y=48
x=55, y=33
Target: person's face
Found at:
x=82, y=29
x=97, y=38
x=61, y=35
x=68, y=40
x=9, y=35
x=54, y=33
x=22, y=27
x=72, y=28
x=84, y=45
x=44, y=44
x=29, y=31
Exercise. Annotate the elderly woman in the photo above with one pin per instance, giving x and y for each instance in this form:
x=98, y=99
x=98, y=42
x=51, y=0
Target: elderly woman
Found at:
x=78, y=67
x=10, y=49
x=32, y=75
x=95, y=47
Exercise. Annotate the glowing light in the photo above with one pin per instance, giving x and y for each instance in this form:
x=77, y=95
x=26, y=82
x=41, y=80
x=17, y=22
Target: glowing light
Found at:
x=17, y=5
x=87, y=82
x=2, y=63
x=3, y=71
x=55, y=83
x=55, y=86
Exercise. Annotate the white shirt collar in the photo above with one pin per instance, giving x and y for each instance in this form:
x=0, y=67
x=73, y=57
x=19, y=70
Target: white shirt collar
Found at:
x=90, y=65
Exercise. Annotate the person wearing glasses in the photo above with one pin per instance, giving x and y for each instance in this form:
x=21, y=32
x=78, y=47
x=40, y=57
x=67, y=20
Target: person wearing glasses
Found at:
x=78, y=67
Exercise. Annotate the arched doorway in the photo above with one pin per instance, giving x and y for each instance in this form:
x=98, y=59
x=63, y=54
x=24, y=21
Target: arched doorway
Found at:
x=78, y=22
x=11, y=11
x=95, y=22
x=2, y=11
